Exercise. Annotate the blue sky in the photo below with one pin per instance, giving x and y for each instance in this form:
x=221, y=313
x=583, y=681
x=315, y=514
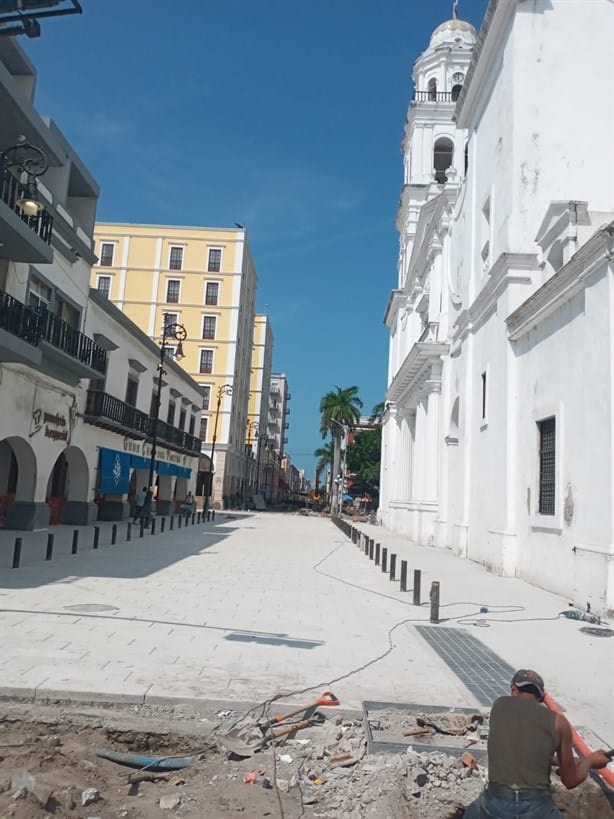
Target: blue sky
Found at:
x=285, y=117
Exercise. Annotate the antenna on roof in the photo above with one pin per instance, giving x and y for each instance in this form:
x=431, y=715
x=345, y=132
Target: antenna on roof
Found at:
x=455, y=10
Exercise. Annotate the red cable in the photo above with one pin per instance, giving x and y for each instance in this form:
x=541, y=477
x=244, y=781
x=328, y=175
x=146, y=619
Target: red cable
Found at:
x=579, y=743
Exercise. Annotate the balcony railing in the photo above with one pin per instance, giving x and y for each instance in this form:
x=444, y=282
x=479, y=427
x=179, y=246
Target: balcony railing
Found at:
x=72, y=342
x=434, y=96
x=106, y=410
x=18, y=319
x=430, y=332
x=11, y=190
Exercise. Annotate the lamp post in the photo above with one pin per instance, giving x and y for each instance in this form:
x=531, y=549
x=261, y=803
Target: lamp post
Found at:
x=23, y=158
x=170, y=329
x=340, y=441
x=252, y=428
x=225, y=389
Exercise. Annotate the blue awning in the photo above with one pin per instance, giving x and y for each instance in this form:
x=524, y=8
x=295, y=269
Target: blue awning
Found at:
x=162, y=467
x=139, y=462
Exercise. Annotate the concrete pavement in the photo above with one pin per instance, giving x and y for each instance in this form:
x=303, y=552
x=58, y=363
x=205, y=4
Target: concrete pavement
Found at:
x=255, y=604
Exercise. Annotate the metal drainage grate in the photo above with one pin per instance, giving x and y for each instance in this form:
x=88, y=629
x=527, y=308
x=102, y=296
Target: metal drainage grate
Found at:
x=597, y=632
x=484, y=673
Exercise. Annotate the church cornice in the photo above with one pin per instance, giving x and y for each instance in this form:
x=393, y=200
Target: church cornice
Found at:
x=395, y=299
x=421, y=365
x=561, y=287
x=496, y=20
x=509, y=268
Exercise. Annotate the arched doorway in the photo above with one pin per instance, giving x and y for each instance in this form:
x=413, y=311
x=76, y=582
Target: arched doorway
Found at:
x=17, y=476
x=67, y=489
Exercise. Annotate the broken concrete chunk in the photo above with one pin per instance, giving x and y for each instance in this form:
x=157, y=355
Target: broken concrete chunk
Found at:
x=89, y=796
x=170, y=801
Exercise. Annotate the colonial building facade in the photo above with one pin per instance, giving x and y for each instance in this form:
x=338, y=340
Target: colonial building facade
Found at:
x=497, y=438
x=205, y=279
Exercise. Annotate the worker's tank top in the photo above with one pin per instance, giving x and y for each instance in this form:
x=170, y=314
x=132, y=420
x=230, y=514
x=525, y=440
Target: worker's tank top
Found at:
x=521, y=742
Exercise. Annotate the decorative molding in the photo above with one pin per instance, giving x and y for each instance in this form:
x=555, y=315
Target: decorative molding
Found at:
x=136, y=365
x=570, y=279
x=415, y=369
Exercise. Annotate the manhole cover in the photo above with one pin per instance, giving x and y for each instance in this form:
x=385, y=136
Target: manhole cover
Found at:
x=597, y=632
x=89, y=607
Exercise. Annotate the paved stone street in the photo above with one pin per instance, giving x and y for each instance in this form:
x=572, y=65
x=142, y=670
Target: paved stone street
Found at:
x=255, y=604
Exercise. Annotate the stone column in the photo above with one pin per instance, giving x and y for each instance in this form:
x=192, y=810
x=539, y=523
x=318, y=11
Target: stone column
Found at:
x=431, y=463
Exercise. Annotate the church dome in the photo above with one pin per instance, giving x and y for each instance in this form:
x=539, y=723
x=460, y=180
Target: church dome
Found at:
x=453, y=32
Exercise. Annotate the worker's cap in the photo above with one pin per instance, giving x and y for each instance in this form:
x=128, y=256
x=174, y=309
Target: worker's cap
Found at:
x=524, y=677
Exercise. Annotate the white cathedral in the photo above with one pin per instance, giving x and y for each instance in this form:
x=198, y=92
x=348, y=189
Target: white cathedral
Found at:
x=498, y=436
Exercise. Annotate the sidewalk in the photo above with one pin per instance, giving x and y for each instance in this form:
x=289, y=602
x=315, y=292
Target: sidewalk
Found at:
x=258, y=603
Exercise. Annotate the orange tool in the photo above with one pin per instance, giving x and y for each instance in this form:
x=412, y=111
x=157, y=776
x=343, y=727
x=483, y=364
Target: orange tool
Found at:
x=327, y=698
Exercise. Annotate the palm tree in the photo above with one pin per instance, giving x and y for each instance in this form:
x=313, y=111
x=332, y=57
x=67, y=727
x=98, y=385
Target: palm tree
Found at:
x=325, y=455
x=377, y=413
x=340, y=409
x=341, y=405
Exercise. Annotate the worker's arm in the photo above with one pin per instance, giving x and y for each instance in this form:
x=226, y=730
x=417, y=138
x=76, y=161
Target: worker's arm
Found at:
x=574, y=771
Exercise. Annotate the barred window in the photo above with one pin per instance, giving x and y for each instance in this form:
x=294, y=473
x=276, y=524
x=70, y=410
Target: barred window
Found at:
x=106, y=254
x=212, y=293
x=206, y=361
x=104, y=286
x=206, y=391
x=172, y=291
x=176, y=258
x=209, y=327
x=203, y=428
x=547, y=465
x=215, y=260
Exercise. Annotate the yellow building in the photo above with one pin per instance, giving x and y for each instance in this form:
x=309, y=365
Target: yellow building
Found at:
x=262, y=362
x=205, y=280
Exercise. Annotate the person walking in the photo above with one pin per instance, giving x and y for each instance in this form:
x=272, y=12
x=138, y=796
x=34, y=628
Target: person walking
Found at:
x=139, y=503
x=523, y=738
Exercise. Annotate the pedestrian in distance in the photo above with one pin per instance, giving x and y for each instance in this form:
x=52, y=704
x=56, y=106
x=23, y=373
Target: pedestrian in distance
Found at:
x=524, y=736
x=187, y=507
x=139, y=503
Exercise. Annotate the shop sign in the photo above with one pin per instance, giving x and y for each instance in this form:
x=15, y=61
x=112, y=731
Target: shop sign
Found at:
x=53, y=424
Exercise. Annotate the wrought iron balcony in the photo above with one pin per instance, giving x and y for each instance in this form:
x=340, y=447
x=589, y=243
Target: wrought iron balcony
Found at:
x=18, y=319
x=16, y=244
x=105, y=410
x=75, y=344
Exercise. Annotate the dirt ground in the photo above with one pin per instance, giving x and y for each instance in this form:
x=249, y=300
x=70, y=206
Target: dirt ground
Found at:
x=48, y=768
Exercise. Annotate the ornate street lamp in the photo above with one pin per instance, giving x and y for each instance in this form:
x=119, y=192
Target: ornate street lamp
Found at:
x=25, y=159
x=177, y=332
x=252, y=427
x=225, y=389
x=262, y=437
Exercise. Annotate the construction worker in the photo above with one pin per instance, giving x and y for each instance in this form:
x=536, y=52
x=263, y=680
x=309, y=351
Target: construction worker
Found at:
x=523, y=738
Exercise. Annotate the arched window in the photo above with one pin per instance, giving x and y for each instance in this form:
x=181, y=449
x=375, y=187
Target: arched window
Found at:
x=456, y=89
x=432, y=88
x=442, y=159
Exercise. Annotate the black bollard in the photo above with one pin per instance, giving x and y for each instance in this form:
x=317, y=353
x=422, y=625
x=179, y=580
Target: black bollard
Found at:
x=384, y=559
x=172, y=522
x=162, y=524
x=208, y=515
x=114, y=534
x=417, y=579
x=371, y=549
x=17, y=553
x=153, y=526
x=377, y=554
x=49, y=552
x=198, y=517
x=142, y=528
x=393, y=567
x=96, y=537
x=434, y=601
x=403, y=575
x=193, y=518
x=75, y=541
x=366, y=545
x=213, y=514
x=129, y=532
x=179, y=521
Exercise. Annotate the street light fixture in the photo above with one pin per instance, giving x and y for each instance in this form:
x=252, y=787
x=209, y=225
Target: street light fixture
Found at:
x=225, y=389
x=23, y=158
x=178, y=332
x=340, y=443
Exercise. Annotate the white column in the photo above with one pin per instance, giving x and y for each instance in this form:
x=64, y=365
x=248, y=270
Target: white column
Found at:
x=433, y=387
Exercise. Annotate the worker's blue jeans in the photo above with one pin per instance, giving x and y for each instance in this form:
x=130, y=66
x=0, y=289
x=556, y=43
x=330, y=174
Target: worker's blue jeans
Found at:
x=498, y=802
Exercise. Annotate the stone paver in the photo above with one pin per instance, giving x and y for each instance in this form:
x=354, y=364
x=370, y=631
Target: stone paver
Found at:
x=264, y=603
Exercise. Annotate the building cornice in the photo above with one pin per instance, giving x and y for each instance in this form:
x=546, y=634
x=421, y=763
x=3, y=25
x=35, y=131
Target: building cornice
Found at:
x=569, y=280
x=510, y=268
x=392, y=308
x=430, y=240
x=421, y=356
x=496, y=20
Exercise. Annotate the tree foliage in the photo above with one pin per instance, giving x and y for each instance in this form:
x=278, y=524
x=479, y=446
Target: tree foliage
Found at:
x=342, y=405
x=325, y=455
x=363, y=456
